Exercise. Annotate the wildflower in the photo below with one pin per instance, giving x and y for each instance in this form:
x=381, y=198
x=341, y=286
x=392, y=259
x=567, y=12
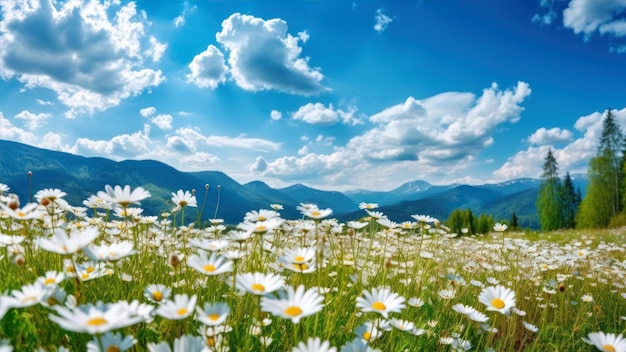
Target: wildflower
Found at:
x=28, y=212
x=299, y=259
x=530, y=327
x=184, y=199
x=110, y=253
x=209, y=245
x=261, y=215
x=587, y=298
x=314, y=344
x=357, y=345
x=29, y=295
x=402, y=325
x=214, y=265
x=50, y=194
x=375, y=214
x=470, y=312
x=317, y=214
x=369, y=206
x=608, y=342
x=157, y=292
x=260, y=227
x=63, y=243
x=424, y=218
x=381, y=301
x=185, y=343
x=259, y=283
x=180, y=308
x=499, y=227
x=497, y=298
x=95, y=319
x=416, y=302
x=51, y=278
x=368, y=332
x=294, y=304
x=4, y=188
x=276, y=206
x=213, y=314
x=123, y=196
x=447, y=294
x=111, y=342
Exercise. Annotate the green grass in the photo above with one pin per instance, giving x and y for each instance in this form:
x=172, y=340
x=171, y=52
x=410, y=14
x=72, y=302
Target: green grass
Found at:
x=549, y=273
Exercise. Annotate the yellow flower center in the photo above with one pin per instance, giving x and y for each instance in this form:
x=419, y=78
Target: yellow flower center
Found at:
x=214, y=316
x=157, y=296
x=258, y=288
x=299, y=258
x=90, y=269
x=210, y=341
x=367, y=336
x=21, y=214
x=182, y=311
x=85, y=276
x=182, y=203
x=301, y=267
x=293, y=311
x=113, y=348
x=609, y=348
x=315, y=214
x=210, y=268
x=260, y=228
x=497, y=303
x=29, y=299
x=379, y=305
x=261, y=218
x=49, y=281
x=97, y=321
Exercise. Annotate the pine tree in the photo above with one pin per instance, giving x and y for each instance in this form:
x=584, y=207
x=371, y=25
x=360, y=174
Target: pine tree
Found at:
x=603, y=201
x=549, y=196
x=514, y=223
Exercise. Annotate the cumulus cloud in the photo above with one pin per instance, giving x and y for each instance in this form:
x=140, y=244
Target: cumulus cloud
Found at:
x=33, y=121
x=147, y=112
x=90, y=54
x=259, y=165
x=119, y=147
x=276, y=115
x=208, y=69
x=573, y=157
x=163, y=121
x=199, y=160
x=179, y=20
x=44, y=102
x=437, y=135
x=318, y=114
x=264, y=56
x=554, y=135
x=194, y=137
x=382, y=21
x=50, y=140
x=549, y=15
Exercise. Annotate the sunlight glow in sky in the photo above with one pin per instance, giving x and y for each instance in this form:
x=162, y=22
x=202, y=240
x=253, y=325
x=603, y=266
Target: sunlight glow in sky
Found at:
x=333, y=94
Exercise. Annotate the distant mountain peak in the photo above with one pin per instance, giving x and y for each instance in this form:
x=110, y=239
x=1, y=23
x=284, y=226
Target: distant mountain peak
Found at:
x=413, y=187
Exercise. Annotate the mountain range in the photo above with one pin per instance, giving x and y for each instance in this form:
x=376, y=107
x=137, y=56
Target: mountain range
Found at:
x=81, y=177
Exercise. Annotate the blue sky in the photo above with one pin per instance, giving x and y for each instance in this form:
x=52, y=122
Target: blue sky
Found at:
x=333, y=94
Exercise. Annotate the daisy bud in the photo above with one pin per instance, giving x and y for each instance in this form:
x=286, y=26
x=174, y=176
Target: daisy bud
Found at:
x=387, y=263
x=44, y=201
x=576, y=329
x=174, y=259
x=206, y=186
x=561, y=287
x=597, y=309
x=30, y=173
x=14, y=201
x=350, y=232
x=19, y=260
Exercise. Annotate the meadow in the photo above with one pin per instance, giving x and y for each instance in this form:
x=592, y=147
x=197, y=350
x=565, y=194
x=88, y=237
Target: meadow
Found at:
x=103, y=276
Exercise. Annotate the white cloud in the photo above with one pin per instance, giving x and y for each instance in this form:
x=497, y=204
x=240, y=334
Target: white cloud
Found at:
x=593, y=16
x=382, y=21
x=259, y=165
x=554, y=135
x=437, y=137
x=195, y=138
x=263, y=56
x=276, y=115
x=44, y=102
x=549, y=16
x=33, y=121
x=208, y=69
x=179, y=21
x=90, y=61
x=163, y=121
x=199, y=160
x=156, y=50
x=318, y=114
x=147, y=112
x=574, y=157
x=125, y=146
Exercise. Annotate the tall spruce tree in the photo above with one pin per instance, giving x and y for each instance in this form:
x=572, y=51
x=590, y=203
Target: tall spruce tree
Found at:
x=602, y=200
x=549, y=196
x=570, y=199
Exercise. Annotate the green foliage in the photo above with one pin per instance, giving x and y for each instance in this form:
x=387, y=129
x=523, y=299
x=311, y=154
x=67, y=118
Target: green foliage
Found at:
x=603, y=200
x=549, y=201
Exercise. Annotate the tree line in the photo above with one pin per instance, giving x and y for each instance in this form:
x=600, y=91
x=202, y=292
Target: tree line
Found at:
x=560, y=206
